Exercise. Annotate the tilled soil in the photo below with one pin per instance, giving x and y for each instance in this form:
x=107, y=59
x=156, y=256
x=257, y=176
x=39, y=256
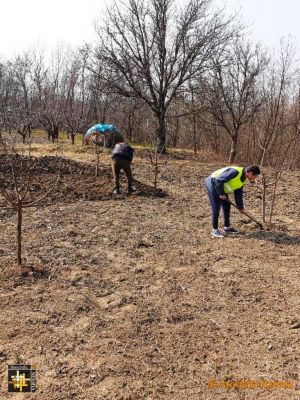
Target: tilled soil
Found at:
x=128, y=297
x=68, y=181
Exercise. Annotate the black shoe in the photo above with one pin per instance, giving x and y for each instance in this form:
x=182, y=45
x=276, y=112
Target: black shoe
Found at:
x=230, y=229
x=116, y=191
x=131, y=189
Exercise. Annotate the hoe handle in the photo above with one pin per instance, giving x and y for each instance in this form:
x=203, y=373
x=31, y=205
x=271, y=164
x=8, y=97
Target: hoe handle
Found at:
x=249, y=216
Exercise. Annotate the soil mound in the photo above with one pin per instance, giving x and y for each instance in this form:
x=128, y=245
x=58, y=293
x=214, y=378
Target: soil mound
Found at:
x=71, y=180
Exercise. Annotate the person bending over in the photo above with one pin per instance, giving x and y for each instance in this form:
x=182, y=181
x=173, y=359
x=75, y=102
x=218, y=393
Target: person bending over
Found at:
x=122, y=155
x=219, y=185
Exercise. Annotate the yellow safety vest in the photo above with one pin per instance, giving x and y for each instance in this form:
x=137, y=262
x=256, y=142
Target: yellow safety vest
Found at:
x=234, y=183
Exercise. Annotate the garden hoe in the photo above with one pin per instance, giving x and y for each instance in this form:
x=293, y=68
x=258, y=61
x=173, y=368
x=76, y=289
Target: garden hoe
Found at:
x=261, y=227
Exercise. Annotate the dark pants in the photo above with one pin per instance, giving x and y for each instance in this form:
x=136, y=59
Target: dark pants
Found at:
x=124, y=165
x=216, y=203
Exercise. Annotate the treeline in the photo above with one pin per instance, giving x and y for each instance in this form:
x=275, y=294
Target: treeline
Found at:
x=176, y=77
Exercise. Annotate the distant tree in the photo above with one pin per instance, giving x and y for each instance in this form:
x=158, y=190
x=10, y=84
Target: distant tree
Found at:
x=273, y=120
x=53, y=93
x=76, y=108
x=8, y=94
x=25, y=116
x=233, y=92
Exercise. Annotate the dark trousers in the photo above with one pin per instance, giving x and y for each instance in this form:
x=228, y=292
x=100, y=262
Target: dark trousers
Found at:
x=124, y=165
x=216, y=203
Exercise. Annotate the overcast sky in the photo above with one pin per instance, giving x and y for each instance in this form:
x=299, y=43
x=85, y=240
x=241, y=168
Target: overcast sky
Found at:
x=25, y=23
x=269, y=20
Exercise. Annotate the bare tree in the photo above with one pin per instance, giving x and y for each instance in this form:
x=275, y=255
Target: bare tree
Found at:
x=8, y=96
x=234, y=95
x=149, y=50
x=53, y=94
x=76, y=110
x=24, y=109
x=276, y=87
x=16, y=185
x=283, y=153
x=269, y=182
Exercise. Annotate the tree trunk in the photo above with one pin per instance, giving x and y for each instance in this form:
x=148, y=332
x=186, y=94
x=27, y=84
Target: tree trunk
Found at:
x=263, y=200
x=161, y=134
x=233, y=149
x=156, y=170
x=175, y=137
x=195, y=142
x=19, y=236
x=56, y=133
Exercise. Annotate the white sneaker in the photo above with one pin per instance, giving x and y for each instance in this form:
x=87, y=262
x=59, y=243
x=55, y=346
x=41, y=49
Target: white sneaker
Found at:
x=216, y=233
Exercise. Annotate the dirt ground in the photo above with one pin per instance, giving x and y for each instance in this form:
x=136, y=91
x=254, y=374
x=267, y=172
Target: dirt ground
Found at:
x=128, y=297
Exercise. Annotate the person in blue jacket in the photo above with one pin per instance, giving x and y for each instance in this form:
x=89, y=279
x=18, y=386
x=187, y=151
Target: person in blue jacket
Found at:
x=122, y=155
x=223, y=182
